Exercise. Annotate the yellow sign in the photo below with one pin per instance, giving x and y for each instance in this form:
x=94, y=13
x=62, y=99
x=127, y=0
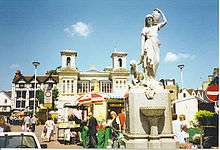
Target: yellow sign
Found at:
x=48, y=105
x=116, y=105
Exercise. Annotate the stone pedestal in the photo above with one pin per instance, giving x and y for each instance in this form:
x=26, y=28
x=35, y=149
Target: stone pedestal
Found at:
x=148, y=122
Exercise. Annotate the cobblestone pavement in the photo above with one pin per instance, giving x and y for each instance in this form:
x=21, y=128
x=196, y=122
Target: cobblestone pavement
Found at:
x=54, y=144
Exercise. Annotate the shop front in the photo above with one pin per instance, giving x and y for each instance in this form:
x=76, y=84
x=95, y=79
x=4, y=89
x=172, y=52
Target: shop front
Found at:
x=116, y=105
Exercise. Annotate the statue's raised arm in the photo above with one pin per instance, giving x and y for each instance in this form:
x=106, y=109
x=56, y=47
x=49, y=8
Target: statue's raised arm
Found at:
x=159, y=18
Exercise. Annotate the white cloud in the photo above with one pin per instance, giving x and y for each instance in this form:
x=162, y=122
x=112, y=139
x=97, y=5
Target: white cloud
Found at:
x=79, y=28
x=172, y=57
x=14, y=66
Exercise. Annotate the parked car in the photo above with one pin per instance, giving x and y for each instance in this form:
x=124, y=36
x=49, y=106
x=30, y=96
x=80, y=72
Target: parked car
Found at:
x=19, y=140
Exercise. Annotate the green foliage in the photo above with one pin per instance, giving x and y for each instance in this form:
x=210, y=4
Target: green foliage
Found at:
x=40, y=96
x=55, y=93
x=204, y=114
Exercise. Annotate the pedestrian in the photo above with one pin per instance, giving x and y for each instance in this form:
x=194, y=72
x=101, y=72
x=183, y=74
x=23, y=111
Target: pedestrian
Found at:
x=176, y=127
x=26, y=124
x=4, y=127
x=115, y=122
x=92, y=123
x=122, y=118
x=50, y=128
x=33, y=121
x=183, y=121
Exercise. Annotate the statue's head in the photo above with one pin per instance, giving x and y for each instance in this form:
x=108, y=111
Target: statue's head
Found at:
x=149, y=20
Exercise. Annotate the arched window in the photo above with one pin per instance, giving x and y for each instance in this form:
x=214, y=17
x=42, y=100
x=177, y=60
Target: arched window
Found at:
x=120, y=62
x=68, y=61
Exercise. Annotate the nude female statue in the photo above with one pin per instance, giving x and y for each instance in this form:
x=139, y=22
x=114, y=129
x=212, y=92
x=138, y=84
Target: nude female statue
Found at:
x=150, y=44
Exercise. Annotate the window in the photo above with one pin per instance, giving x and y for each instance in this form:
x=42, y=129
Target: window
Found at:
x=84, y=86
x=184, y=95
x=31, y=94
x=72, y=86
x=18, y=104
x=79, y=87
x=64, y=90
x=6, y=101
x=106, y=86
x=68, y=61
x=68, y=85
x=13, y=141
x=24, y=94
x=21, y=85
x=120, y=62
x=31, y=104
x=50, y=86
x=18, y=93
x=23, y=104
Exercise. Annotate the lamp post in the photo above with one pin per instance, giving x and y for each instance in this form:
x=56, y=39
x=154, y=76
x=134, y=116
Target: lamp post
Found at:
x=36, y=64
x=181, y=74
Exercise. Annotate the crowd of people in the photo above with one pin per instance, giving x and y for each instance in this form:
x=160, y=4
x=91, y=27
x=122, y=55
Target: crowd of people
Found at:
x=116, y=122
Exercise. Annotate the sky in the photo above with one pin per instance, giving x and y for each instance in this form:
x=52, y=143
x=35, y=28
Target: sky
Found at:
x=38, y=30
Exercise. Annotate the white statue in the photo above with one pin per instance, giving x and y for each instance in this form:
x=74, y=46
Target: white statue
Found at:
x=150, y=54
x=150, y=44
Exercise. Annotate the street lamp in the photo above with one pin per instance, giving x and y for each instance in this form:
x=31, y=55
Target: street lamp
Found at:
x=36, y=64
x=181, y=74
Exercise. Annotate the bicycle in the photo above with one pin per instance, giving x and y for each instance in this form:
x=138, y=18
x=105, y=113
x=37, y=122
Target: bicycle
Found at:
x=117, y=137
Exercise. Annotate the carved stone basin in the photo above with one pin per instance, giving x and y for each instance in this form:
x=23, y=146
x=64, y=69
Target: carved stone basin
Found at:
x=153, y=111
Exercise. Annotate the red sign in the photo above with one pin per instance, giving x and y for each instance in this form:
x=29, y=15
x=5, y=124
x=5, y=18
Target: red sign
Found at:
x=212, y=93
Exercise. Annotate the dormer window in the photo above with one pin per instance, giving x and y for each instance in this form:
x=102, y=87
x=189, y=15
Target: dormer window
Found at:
x=68, y=61
x=120, y=62
x=21, y=85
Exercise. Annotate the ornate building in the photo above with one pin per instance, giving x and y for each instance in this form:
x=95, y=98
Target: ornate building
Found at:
x=71, y=82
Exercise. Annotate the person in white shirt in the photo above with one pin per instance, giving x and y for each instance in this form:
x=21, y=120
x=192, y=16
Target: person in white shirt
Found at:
x=50, y=128
x=176, y=128
x=26, y=123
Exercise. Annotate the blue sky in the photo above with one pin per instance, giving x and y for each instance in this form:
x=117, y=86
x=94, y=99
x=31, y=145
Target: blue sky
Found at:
x=38, y=30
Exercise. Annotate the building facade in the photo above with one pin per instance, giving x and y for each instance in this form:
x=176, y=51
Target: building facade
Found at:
x=5, y=103
x=71, y=82
x=23, y=89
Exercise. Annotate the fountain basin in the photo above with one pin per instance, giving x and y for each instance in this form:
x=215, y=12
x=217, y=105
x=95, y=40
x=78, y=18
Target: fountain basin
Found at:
x=153, y=111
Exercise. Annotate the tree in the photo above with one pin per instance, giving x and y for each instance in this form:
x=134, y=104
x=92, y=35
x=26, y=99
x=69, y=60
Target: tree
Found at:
x=55, y=93
x=40, y=96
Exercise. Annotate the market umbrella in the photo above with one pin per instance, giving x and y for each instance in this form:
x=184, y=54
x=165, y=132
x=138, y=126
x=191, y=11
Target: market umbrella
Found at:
x=90, y=98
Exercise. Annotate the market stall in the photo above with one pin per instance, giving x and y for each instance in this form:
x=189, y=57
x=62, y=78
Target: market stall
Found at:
x=64, y=130
x=96, y=103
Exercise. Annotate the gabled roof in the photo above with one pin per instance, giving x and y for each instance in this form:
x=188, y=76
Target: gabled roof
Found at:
x=8, y=93
x=190, y=91
x=40, y=79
